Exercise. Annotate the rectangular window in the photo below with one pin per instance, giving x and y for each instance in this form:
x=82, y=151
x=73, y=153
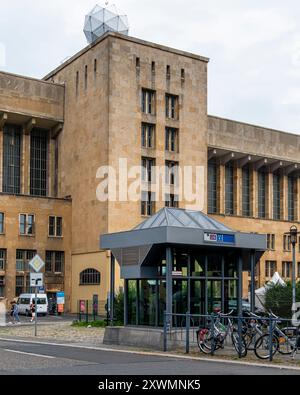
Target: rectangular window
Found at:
x=19, y=285
x=23, y=257
x=262, y=179
x=12, y=139
x=171, y=200
x=172, y=173
x=55, y=226
x=298, y=271
x=148, y=165
x=95, y=68
x=77, y=83
x=212, y=186
x=168, y=72
x=54, y=262
x=171, y=140
x=286, y=269
x=292, y=198
x=229, y=189
x=148, y=101
x=2, y=223
x=26, y=224
x=2, y=286
x=148, y=135
x=137, y=63
x=276, y=196
x=246, y=191
x=85, y=78
x=172, y=107
x=38, y=162
x=148, y=203
x=271, y=268
x=2, y=259
x=153, y=67
x=182, y=75
x=286, y=243
x=271, y=242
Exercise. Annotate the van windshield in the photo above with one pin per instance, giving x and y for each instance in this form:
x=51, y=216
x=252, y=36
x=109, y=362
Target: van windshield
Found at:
x=39, y=301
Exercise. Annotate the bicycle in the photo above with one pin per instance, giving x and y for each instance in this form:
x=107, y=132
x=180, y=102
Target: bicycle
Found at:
x=211, y=339
x=285, y=341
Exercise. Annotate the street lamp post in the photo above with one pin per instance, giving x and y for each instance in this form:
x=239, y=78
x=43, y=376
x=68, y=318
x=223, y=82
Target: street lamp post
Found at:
x=293, y=233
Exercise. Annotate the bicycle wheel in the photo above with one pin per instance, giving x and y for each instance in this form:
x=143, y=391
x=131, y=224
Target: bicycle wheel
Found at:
x=205, y=341
x=262, y=347
x=288, y=341
x=235, y=341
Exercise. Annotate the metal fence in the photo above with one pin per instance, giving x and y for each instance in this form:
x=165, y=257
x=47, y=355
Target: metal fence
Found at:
x=88, y=311
x=231, y=335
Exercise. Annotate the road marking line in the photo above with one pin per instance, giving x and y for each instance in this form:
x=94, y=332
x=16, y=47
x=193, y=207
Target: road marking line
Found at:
x=29, y=353
x=157, y=354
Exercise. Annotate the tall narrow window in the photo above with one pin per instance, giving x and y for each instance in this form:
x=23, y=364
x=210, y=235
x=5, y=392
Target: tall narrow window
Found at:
x=148, y=135
x=23, y=257
x=286, y=269
x=38, y=162
x=148, y=169
x=85, y=77
x=148, y=101
x=2, y=223
x=172, y=173
x=153, y=67
x=182, y=75
x=229, y=189
x=212, y=186
x=262, y=179
x=54, y=262
x=276, y=196
x=12, y=159
x=77, y=82
x=270, y=268
x=171, y=140
x=2, y=259
x=95, y=68
x=26, y=224
x=246, y=191
x=291, y=198
x=55, y=226
x=172, y=105
x=148, y=203
x=168, y=72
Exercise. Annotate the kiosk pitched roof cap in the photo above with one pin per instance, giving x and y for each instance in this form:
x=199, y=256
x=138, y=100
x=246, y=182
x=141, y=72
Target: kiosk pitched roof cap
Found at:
x=181, y=218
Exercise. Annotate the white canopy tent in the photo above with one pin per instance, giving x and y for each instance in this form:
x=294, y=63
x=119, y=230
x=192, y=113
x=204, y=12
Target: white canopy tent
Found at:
x=261, y=292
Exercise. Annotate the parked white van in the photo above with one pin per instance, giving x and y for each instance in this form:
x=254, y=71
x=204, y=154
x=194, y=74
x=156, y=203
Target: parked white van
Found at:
x=25, y=300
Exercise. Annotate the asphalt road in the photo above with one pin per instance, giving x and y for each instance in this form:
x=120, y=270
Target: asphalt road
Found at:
x=37, y=359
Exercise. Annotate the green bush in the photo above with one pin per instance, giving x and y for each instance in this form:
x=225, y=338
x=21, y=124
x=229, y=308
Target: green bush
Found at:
x=119, y=309
x=279, y=299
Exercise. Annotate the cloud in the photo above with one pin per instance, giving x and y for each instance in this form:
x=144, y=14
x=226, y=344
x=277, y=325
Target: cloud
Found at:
x=254, y=73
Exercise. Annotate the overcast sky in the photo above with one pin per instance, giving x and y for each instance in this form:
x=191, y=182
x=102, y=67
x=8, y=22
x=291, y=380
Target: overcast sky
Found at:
x=254, y=46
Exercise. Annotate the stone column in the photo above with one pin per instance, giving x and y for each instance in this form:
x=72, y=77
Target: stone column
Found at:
x=269, y=205
x=25, y=165
x=221, y=189
x=284, y=197
x=253, y=193
x=51, y=167
x=238, y=185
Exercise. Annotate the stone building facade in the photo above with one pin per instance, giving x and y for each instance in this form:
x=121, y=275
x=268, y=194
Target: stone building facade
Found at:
x=125, y=98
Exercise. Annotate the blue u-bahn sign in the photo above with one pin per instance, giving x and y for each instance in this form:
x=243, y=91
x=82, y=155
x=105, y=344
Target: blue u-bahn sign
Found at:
x=219, y=238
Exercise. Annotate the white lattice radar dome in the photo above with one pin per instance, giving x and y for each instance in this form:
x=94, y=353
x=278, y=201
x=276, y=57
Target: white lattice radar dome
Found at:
x=101, y=20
